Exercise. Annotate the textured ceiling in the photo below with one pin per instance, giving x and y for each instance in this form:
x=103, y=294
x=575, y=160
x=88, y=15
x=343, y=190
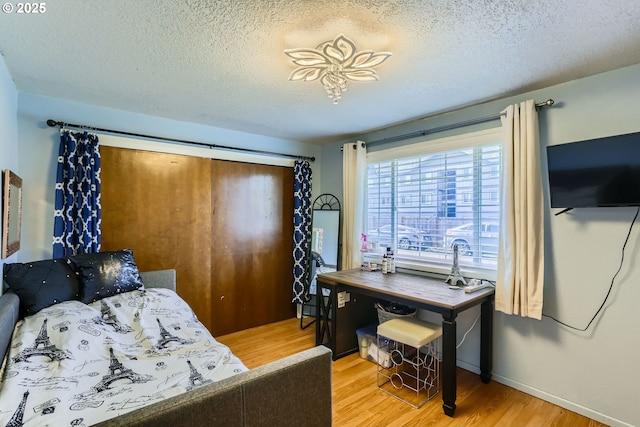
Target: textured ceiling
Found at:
x=221, y=63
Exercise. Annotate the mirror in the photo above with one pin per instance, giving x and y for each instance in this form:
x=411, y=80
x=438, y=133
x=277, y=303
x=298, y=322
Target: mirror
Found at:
x=11, y=212
x=324, y=254
x=324, y=236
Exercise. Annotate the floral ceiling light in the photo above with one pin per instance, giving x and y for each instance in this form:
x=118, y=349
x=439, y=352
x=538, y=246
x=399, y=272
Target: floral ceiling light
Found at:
x=334, y=62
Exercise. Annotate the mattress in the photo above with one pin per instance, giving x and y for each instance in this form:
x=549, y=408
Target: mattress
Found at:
x=74, y=364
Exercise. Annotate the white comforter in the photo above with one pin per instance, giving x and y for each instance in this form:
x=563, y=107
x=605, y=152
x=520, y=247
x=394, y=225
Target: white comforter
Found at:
x=73, y=364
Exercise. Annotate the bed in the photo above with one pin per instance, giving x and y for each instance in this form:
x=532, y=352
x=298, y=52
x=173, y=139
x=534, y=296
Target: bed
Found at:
x=122, y=348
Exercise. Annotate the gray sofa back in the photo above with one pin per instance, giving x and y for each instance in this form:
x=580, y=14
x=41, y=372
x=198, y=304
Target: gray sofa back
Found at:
x=293, y=391
x=9, y=313
x=159, y=279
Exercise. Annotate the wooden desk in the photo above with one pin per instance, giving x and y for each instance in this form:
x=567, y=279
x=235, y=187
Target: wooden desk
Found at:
x=337, y=323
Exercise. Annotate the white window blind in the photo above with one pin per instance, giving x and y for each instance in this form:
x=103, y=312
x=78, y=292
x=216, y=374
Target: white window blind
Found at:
x=422, y=204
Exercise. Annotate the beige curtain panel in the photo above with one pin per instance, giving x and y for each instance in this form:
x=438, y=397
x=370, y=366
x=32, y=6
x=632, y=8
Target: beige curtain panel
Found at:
x=354, y=193
x=519, y=285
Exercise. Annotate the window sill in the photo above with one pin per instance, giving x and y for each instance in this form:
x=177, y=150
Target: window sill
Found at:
x=439, y=271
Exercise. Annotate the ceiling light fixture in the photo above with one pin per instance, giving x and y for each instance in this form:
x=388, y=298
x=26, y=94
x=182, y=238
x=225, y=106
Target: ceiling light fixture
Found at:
x=334, y=62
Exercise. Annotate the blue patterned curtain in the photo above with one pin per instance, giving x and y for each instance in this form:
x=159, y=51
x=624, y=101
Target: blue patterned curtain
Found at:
x=78, y=211
x=301, y=230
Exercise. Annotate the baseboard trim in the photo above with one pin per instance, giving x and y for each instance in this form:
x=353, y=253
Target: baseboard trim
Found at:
x=571, y=406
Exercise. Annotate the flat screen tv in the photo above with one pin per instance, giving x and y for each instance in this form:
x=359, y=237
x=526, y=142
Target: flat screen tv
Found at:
x=597, y=172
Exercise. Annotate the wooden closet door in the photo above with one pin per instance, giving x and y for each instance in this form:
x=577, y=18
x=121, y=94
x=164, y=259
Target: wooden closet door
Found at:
x=251, y=245
x=159, y=205
x=225, y=227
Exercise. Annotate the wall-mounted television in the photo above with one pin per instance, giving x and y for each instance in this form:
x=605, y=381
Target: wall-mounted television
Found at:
x=597, y=172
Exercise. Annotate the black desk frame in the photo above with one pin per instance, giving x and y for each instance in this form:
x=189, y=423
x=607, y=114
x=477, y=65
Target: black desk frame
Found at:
x=326, y=332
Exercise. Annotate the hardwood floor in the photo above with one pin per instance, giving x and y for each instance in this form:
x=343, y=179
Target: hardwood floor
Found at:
x=358, y=402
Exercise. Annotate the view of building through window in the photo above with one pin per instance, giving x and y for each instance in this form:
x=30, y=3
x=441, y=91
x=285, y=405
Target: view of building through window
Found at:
x=422, y=206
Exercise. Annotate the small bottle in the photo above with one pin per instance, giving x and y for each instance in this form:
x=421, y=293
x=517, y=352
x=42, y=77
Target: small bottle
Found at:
x=364, y=347
x=384, y=264
x=392, y=264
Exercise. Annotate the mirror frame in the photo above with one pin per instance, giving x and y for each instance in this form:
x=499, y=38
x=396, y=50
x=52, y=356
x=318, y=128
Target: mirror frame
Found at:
x=324, y=202
x=11, y=212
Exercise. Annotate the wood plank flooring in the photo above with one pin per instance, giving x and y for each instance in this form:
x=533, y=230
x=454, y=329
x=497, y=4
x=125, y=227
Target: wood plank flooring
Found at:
x=358, y=402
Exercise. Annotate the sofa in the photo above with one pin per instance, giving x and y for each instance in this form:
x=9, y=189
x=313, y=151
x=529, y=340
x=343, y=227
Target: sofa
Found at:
x=292, y=391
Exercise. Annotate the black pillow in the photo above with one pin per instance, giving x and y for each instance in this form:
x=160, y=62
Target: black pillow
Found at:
x=104, y=274
x=40, y=284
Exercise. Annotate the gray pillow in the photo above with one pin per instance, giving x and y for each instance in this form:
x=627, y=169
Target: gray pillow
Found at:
x=104, y=274
x=40, y=284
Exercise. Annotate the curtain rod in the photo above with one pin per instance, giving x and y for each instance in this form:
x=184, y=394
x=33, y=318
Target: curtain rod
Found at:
x=547, y=103
x=53, y=123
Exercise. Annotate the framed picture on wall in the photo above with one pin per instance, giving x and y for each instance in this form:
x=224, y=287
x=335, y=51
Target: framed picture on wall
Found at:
x=11, y=212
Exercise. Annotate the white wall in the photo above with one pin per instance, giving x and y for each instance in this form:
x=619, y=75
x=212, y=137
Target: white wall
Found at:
x=8, y=132
x=38, y=151
x=592, y=372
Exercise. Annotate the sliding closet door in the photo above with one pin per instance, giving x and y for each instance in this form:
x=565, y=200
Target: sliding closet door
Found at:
x=159, y=205
x=225, y=227
x=251, y=245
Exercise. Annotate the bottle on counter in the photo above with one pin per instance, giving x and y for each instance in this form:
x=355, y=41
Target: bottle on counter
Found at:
x=391, y=264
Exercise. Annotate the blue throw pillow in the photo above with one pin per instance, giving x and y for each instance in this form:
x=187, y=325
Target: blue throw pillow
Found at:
x=40, y=284
x=104, y=274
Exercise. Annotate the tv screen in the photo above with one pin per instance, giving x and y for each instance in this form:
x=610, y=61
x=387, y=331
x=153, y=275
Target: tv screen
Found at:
x=597, y=172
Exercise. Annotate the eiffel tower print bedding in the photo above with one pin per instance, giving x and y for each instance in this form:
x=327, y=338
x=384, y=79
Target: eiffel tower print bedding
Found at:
x=73, y=364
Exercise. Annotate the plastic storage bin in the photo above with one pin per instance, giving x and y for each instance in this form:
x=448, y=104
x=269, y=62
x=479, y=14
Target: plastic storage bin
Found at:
x=367, y=344
x=366, y=336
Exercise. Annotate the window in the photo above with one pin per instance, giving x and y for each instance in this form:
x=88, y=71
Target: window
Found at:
x=426, y=198
x=438, y=195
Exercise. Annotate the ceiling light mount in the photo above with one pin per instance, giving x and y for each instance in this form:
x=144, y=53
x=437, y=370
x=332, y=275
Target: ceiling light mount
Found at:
x=334, y=62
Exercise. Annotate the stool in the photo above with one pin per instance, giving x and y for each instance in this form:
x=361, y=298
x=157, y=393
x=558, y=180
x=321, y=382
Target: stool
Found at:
x=413, y=374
